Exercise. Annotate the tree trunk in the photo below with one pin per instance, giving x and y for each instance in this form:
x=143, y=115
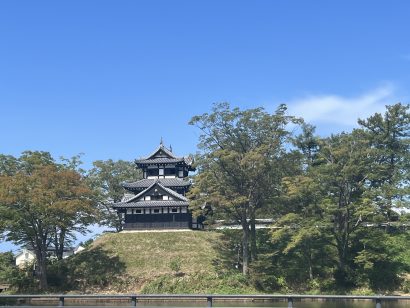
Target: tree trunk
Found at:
x=118, y=223
x=245, y=248
x=254, y=251
x=310, y=265
x=41, y=270
x=55, y=242
x=307, y=254
x=342, y=277
x=60, y=245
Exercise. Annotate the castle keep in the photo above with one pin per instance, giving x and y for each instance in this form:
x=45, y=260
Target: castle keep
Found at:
x=158, y=200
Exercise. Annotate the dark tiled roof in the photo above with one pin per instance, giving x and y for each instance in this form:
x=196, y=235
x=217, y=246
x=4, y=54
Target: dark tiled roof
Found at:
x=159, y=160
x=149, y=204
x=173, y=182
x=156, y=183
x=140, y=193
x=169, y=158
x=173, y=193
x=164, y=149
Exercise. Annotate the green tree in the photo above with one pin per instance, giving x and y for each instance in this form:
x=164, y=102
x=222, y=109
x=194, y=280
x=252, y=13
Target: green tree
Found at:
x=41, y=201
x=7, y=267
x=241, y=150
x=389, y=139
x=326, y=202
x=106, y=178
x=18, y=279
x=346, y=187
x=299, y=229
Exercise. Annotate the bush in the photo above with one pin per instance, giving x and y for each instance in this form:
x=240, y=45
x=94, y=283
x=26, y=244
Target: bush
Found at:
x=19, y=279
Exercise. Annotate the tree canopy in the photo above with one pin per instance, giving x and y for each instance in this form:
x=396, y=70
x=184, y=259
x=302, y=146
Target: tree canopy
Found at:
x=106, y=178
x=240, y=163
x=42, y=204
x=344, y=201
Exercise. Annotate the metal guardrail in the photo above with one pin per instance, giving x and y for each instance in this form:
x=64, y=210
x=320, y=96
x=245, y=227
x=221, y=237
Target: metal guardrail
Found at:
x=378, y=300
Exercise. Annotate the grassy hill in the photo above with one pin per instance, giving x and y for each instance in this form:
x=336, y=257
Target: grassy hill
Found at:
x=157, y=262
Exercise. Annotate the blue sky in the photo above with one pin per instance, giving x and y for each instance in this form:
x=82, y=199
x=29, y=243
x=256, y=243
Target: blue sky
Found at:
x=109, y=78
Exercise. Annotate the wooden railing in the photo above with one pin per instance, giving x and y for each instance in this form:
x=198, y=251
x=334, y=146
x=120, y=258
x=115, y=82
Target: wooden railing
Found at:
x=209, y=298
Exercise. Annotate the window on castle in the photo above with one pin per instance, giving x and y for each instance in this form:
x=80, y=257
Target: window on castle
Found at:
x=152, y=172
x=169, y=171
x=156, y=211
x=174, y=210
x=156, y=197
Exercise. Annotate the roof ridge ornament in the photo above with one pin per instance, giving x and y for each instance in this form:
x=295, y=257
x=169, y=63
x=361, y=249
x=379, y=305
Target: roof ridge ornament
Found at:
x=161, y=143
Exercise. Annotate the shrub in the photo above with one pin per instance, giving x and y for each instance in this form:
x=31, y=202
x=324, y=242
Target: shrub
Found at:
x=175, y=265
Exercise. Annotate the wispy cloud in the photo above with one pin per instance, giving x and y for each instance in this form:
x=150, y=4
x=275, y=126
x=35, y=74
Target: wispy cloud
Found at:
x=340, y=110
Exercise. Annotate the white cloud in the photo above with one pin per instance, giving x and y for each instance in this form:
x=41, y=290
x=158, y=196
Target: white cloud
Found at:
x=340, y=110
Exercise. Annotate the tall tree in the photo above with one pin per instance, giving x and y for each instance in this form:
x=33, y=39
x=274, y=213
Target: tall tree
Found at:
x=299, y=226
x=348, y=184
x=106, y=178
x=40, y=201
x=389, y=138
x=327, y=201
x=240, y=148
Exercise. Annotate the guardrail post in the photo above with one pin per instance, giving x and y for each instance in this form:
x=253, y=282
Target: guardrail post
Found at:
x=133, y=301
x=378, y=303
x=209, y=301
x=61, y=301
x=290, y=302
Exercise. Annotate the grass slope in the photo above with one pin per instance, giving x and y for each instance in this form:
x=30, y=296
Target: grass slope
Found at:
x=141, y=262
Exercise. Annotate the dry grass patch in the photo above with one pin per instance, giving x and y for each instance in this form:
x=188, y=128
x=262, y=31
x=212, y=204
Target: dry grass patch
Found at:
x=147, y=256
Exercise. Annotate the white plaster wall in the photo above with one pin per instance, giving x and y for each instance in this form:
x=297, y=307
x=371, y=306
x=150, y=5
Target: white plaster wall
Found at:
x=79, y=249
x=26, y=257
x=66, y=254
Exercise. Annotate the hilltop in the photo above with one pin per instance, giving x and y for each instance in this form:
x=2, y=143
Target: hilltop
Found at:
x=156, y=262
